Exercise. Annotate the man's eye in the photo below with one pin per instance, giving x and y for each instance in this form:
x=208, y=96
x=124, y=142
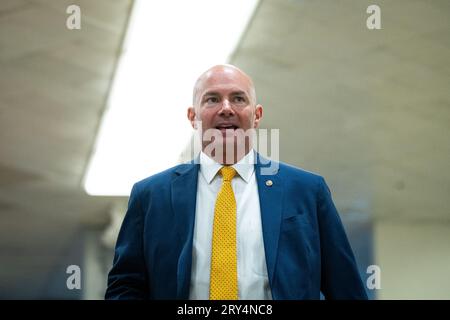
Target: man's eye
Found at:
x=212, y=100
x=239, y=99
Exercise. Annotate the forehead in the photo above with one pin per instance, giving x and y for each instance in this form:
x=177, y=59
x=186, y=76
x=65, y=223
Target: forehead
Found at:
x=224, y=81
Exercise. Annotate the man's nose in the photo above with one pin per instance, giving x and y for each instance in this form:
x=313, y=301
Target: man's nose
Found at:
x=226, y=108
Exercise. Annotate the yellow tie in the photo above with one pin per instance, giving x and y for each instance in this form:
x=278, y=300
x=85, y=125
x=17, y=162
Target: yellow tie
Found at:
x=223, y=280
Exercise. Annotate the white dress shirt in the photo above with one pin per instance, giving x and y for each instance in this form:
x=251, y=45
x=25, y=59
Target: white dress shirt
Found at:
x=253, y=282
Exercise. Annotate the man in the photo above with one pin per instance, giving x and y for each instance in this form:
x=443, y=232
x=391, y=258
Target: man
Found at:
x=218, y=228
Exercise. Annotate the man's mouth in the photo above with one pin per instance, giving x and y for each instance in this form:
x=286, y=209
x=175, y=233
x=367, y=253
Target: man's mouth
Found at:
x=225, y=127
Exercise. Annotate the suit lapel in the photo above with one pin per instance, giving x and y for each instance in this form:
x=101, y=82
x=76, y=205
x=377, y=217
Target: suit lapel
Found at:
x=270, y=191
x=184, y=193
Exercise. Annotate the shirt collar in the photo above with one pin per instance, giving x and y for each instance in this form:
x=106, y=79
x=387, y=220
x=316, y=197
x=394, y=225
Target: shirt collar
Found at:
x=245, y=167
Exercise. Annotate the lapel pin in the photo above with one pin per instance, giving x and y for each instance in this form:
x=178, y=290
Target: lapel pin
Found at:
x=269, y=183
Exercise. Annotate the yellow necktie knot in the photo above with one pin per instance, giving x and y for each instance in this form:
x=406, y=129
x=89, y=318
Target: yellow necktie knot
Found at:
x=227, y=173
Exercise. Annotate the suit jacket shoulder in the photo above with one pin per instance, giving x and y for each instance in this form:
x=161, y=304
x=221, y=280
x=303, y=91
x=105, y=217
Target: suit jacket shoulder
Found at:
x=162, y=179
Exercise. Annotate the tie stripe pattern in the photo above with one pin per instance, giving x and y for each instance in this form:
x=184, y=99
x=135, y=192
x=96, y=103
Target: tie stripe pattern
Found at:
x=223, y=279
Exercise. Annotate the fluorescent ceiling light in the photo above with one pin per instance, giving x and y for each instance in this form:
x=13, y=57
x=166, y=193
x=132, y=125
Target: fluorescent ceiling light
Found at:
x=168, y=44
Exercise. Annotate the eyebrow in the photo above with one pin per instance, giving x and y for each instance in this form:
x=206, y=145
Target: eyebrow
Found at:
x=210, y=93
x=238, y=93
x=215, y=93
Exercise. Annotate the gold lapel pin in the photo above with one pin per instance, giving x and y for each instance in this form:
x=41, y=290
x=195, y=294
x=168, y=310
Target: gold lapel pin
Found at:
x=269, y=183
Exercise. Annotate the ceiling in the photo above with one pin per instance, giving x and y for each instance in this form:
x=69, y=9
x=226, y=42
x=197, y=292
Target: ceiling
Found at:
x=53, y=86
x=368, y=109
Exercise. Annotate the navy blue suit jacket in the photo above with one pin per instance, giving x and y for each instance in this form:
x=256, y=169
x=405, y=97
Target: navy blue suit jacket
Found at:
x=306, y=248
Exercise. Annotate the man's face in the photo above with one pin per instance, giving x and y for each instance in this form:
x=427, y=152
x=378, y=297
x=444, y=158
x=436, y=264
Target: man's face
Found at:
x=224, y=100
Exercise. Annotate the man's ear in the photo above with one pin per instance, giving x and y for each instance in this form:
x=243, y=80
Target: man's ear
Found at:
x=258, y=115
x=191, y=116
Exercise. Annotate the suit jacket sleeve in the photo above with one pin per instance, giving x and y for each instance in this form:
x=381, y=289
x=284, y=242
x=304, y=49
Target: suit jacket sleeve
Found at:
x=128, y=276
x=340, y=278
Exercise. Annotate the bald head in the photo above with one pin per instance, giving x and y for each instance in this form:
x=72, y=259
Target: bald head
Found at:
x=225, y=105
x=220, y=73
